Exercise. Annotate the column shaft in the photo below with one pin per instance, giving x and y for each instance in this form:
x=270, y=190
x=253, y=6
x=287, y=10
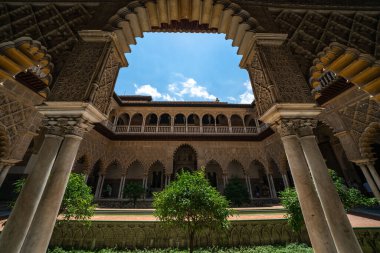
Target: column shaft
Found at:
x=4, y=173
x=98, y=184
x=314, y=217
x=273, y=187
x=373, y=173
x=270, y=187
x=43, y=223
x=22, y=214
x=340, y=227
x=370, y=181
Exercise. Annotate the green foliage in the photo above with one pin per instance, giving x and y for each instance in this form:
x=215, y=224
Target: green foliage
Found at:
x=291, y=248
x=236, y=192
x=191, y=203
x=350, y=198
x=289, y=200
x=133, y=191
x=77, y=202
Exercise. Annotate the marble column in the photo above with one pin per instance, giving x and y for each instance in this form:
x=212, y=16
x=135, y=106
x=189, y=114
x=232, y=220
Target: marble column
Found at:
x=369, y=180
x=4, y=173
x=340, y=227
x=274, y=192
x=248, y=187
x=373, y=172
x=43, y=223
x=313, y=215
x=270, y=186
x=98, y=186
x=19, y=221
x=121, y=188
x=285, y=179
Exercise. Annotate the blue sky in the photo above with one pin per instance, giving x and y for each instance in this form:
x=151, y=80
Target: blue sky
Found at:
x=185, y=67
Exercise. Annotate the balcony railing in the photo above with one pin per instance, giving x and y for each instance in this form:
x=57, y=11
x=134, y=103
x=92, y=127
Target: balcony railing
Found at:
x=222, y=130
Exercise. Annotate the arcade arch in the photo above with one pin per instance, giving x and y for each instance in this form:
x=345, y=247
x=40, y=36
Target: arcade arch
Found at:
x=184, y=158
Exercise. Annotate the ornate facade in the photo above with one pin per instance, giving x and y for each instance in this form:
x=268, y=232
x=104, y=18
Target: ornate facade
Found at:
x=314, y=69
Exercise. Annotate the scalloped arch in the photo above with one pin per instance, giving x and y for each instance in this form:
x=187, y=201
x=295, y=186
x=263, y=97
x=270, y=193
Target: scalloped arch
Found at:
x=207, y=16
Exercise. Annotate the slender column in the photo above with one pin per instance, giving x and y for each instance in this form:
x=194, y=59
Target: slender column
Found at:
x=43, y=223
x=373, y=173
x=286, y=181
x=100, y=179
x=101, y=187
x=313, y=215
x=249, y=187
x=22, y=214
x=3, y=173
x=273, y=187
x=340, y=227
x=369, y=180
x=121, y=190
x=270, y=186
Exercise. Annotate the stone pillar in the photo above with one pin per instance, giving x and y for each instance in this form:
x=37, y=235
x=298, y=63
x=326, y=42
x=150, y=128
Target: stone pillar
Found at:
x=274, y=192
x=248, y=187
x=4, y=172
x=340, y=227
x=373, y=172
x=121, y=188
x=285, y=179
x=98, y=185
x=22, y=214
x=313, y=215
x=369, y=180
x=43, y=223
x=31, y=162
x=270, y=186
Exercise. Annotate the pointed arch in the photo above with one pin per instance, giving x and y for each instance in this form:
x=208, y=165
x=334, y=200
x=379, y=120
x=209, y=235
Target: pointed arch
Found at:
x=214, y=173
x=135, y=170
x=184, y=157
x=156, y=177
x=82, y=165
x=235, y=169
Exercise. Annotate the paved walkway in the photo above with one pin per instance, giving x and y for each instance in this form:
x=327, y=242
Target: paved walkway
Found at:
x=356, y=221
x=246, y=214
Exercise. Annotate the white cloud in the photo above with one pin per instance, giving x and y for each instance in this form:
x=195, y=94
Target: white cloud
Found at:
x=167, y=97
x=147, y=89
x=231, y=98
x=247, y=97
x=191, y=89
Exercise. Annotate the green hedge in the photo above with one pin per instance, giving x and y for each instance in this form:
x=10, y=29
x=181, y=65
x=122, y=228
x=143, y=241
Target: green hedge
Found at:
x=291, y=248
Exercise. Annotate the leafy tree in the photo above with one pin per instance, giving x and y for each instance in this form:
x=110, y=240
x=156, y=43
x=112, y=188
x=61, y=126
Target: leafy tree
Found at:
x=350, y=198
x=191, y=203
x=77, y=202
x=133, y=191
x=236, y=192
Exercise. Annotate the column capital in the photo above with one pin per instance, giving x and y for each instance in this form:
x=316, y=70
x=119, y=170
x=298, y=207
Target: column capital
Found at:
x=301, y=127
x=66, y=125
x=69, y=118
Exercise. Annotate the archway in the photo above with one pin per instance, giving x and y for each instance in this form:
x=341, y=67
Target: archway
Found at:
x=112, y=180
x=214, y=174
x=184, y=158
x=94, y=176
x=81, y=166
x=156, y=177
x=258, y=180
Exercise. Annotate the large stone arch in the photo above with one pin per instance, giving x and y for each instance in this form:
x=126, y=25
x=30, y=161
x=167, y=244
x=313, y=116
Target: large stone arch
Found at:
x=190, y=15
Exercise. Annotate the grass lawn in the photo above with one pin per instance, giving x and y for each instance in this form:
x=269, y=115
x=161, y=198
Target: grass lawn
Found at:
x=291, y=248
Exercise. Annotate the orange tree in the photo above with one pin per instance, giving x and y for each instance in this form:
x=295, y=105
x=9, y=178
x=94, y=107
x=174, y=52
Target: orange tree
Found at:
x=192, y=204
